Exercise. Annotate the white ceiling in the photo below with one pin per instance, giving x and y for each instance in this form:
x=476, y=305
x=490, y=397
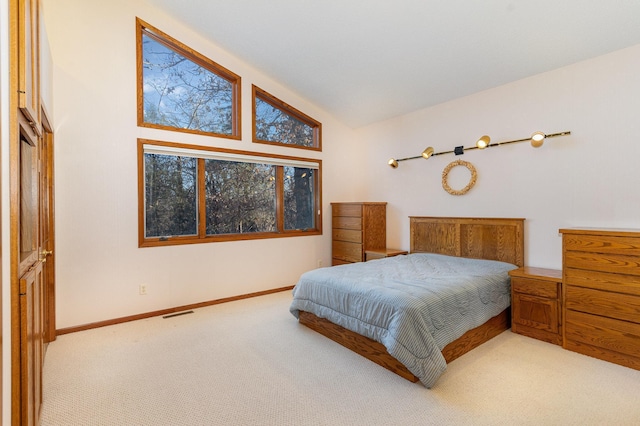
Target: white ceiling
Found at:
x=369, y=60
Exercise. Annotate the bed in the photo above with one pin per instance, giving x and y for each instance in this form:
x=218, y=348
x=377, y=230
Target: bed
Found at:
x=347, y=303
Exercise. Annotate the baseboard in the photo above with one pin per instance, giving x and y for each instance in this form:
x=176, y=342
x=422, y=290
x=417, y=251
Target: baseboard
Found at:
x=167, y=311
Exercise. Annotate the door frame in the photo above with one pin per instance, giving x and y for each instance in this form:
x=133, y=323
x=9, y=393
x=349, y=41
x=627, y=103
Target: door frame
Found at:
x=48, y=240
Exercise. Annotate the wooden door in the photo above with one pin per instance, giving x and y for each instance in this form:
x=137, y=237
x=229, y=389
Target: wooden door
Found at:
x=28, y=309
x=36, y=267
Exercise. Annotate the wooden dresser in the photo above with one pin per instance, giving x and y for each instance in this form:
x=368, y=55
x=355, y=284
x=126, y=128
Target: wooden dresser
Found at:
x=357, y=227
x=601, y=293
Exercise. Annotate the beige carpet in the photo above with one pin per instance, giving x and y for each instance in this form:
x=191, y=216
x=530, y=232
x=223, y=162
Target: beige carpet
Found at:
x=250, y=363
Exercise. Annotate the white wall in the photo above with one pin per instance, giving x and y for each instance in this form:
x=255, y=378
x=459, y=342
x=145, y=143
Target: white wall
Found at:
x=99, y=265
x=590, y=178
x=586, y=179
x=46, y=65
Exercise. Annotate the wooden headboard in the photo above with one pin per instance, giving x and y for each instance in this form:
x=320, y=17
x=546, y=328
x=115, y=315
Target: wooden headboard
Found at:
x=480, y=238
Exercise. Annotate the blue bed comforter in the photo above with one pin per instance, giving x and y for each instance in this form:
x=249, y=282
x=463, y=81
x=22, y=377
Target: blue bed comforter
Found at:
x=414, y=305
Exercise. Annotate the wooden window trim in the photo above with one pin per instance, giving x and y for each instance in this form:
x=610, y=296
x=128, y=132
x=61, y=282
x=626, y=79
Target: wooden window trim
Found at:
x=196, y=57
x=202, y=237
x=257, y=92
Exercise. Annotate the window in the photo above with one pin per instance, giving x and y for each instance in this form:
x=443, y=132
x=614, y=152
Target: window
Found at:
x=275, y=122
x=170, y=194
x=192, y=194
x=179, y=89
x=240, y=197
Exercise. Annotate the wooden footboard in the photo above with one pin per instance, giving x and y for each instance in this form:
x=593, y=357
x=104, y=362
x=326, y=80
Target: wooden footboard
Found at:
x=477, y=336
x=362, y=345
x=377, y=353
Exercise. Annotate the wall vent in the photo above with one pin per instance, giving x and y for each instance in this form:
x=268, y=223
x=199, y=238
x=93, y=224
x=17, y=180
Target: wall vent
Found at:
x=177, y=314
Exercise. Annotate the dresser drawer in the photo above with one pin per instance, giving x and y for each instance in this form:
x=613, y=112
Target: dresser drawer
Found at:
x=629, y=284
x=346, y=222
x=603, y=244
x=603, y=262
x=351, y=252
x=614, y=305
x=535, y=287
x=349, y=235
x=346, y=210
x=609, y=334
x=536, y=312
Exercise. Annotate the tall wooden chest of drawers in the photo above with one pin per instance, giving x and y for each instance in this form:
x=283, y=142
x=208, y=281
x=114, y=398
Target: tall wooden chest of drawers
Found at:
x=601, y=288
x=357, y=227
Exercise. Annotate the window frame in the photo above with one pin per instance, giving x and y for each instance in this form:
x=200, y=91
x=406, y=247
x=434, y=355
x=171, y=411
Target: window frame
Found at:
x=279, y=160
x=264, y=96
x=194, y=56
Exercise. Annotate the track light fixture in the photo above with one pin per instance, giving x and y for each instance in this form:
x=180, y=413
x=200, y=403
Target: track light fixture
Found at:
x=483, y=142
x=536, y=139
x=427, y=153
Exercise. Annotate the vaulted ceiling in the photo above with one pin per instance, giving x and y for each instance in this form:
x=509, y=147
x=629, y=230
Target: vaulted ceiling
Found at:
x=368, y=60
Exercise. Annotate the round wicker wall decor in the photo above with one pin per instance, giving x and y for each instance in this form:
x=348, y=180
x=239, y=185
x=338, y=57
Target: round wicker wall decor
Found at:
x=445, y=175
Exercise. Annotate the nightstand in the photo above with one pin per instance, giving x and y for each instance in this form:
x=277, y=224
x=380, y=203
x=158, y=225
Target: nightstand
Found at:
x=536, y=303
x=382, y=253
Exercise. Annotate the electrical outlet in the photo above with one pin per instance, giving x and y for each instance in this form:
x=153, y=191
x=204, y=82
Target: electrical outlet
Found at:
x=143, y=289
x=319, y=263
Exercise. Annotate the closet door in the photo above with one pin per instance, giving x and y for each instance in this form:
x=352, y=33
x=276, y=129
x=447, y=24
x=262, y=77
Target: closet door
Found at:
x=30, y=277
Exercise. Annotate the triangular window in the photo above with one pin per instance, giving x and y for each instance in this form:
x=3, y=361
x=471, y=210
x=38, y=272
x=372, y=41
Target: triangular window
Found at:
x=180, y=89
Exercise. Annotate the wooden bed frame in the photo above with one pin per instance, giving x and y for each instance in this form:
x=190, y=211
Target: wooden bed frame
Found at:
x=480, y=238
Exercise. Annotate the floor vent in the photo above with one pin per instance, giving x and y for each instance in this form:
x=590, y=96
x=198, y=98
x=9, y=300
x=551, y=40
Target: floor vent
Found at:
x=177, y=314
